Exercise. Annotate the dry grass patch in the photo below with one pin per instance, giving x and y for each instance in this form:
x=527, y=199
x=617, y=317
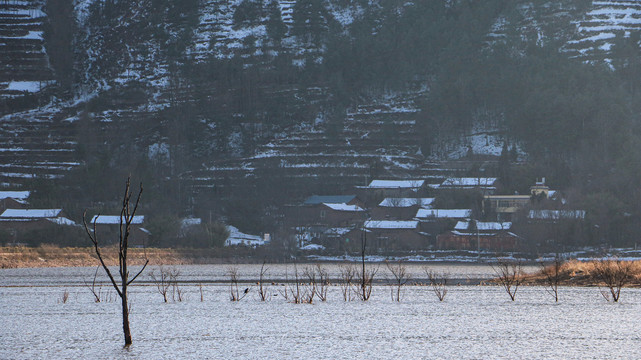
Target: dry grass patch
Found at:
x=584, y=273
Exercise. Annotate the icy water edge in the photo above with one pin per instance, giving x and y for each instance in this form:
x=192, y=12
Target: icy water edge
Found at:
x=474, y=322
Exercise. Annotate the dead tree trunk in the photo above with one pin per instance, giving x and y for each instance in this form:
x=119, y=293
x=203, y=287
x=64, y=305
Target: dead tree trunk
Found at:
x=127, y=214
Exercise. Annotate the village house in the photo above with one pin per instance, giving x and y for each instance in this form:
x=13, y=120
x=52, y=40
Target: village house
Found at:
x=333, y=199
x=13, y=200
x=443, y=214
x=385, y=235
x=379, y=189
x=504, y=207
x=327, y=211
x=436, y=221
x=400, y=208
x=554, y=216
x=477, y=235
x=108, y=229
x=339, y=238
x=17, y=222
x=487, y=185
x=238, y=238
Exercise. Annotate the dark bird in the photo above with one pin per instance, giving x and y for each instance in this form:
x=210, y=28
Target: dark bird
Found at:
x=246, y=290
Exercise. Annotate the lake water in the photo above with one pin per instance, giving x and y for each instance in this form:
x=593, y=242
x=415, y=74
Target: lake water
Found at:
x=474, y=322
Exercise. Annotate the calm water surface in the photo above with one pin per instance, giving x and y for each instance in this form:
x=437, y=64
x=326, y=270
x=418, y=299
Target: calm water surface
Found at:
x=474, y=322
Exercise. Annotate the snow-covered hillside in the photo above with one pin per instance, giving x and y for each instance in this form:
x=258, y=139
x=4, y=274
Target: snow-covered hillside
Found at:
x=605, y=24
x=24, y=66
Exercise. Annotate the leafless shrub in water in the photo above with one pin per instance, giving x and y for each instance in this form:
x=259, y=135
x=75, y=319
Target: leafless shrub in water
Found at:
x=234, y=292
x=400, y=277
x=347, y=274
x=509, y=275
x=438, y=282
x=614, y=274
x=95, y=291
x=552, y=276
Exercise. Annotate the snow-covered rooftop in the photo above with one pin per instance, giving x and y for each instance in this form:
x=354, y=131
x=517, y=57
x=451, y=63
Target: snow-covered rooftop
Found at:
x=444, y=213
x=344, y=207
x=115, y=219
x=186, y=222
x=396, y=184
x=329, y=199
x=18, y=195
x=388, y=224
x=556, y=214
x=31, y=213
x=62, y=221
x=468, y=182
x=406, y=202
x=483, y=226
x=337, y=231
x=236, y=237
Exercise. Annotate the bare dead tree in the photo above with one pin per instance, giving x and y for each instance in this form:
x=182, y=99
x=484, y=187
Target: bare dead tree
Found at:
x=162, y=281
x=262, y=290
x=127, y=214
x=202, y=297
x=509, y=275
x=614, y=274
x=347, y=274
x=310, y=285
x=552, y=276
x=96, y=293
x=438, y=282
x=323, y=282
x=295, y=290
x=400, y=277
x=285, y=293
x=177, y=293
x=365, y=276
x=234, y=292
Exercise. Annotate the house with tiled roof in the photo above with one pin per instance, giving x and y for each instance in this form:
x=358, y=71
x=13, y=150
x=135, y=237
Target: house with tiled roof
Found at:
x=479, y=235
x=108, y=229
x=18, y=222
x=386, y=235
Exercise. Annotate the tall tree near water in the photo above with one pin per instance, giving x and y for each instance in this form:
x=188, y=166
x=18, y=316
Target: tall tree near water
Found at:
x=127, y=214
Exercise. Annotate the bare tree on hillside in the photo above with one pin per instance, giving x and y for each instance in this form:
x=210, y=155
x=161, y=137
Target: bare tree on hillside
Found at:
x=127, y=214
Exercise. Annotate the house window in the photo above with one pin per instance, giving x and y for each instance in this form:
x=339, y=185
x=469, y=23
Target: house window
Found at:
x=322, y=214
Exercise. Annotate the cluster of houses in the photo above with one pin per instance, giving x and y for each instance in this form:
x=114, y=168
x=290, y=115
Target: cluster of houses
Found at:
x=391, y=215
x=397, y=215
x=18, y=219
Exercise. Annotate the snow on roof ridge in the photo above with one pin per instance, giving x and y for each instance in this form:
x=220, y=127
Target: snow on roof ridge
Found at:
x=396, y=183
x=405, y=202
x=343, y=207
x=391, y=224
x=444, y=213
x=30, y=213
x=115, y=219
